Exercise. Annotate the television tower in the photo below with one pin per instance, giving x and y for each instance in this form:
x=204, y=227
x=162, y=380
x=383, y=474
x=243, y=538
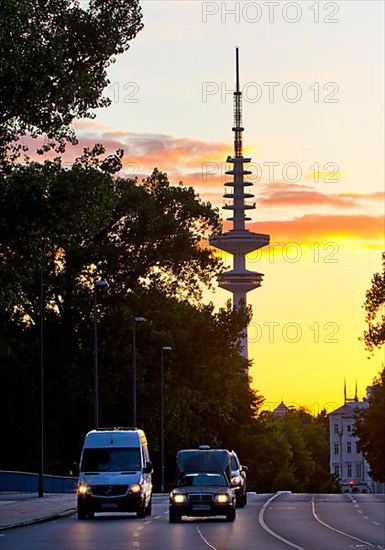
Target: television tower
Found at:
x=239, y=241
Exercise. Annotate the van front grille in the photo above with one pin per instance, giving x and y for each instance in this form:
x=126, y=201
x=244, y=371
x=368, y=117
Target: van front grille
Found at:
x=109, y=490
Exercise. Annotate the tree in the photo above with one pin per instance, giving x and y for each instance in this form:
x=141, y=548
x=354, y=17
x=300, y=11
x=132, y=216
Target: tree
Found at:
x=369, y=424
x=53, y=61
x=293, y=453
x=374, y=305
x=77, y=224
x=369, y=427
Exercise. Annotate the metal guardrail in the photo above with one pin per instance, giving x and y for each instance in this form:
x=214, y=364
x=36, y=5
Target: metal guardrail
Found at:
x=28, y=482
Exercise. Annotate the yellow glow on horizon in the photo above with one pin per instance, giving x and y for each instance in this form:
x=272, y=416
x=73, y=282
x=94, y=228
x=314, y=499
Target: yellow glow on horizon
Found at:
x=307, y=320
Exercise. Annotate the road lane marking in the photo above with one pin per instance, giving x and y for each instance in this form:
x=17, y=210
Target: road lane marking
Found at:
x=136, y=543
x=337, y=530
x=270, y=531
x=205, y=540
x=375, y=523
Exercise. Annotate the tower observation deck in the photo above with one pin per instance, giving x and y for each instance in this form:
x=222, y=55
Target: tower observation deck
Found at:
x=239, y=241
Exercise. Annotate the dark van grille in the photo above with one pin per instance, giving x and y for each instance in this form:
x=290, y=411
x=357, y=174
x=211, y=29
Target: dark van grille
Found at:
x=200, y=498
x=109, y=490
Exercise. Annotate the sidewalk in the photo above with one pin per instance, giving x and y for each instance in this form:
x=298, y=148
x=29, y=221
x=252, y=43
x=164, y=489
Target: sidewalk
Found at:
x=18, y=509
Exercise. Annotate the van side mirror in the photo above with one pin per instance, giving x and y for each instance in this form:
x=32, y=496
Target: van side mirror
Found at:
x=244, y=469
x=148, y=468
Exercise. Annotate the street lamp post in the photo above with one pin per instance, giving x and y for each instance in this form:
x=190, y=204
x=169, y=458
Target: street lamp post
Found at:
x=41, y=435
x=136, y=320
x=97, y=284
x=164, y=348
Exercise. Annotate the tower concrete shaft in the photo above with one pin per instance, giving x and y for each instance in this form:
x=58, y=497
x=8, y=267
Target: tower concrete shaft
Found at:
x=239, y=241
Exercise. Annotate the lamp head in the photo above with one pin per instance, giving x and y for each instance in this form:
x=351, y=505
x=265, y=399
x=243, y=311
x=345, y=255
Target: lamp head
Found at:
x=101, y=283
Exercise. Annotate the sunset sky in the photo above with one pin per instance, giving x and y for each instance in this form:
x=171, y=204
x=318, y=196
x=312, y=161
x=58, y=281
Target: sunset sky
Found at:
x=313, y=110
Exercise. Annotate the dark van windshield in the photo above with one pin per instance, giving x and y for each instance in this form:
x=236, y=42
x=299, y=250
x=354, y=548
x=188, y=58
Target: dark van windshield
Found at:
x=110, y=460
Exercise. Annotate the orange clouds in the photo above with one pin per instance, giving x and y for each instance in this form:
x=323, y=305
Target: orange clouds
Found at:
x=202, y=165
x=145, y=151
x=305, y=197
x=325, y=227
x=166, y=152
x=279, y=194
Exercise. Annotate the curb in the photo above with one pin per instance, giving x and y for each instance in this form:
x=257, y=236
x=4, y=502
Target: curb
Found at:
x=56, y=515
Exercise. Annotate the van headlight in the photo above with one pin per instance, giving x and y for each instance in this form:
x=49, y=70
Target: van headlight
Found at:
x=136, y=488
x=178, y=498
x=83, y=489
x=222, y=498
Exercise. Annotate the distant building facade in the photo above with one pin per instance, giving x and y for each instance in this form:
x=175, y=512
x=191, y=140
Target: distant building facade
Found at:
x=346, y=460
x=281, y=410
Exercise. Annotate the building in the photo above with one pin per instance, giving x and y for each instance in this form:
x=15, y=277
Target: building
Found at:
x=346, y=460
x=281, y=410
x=239, y=240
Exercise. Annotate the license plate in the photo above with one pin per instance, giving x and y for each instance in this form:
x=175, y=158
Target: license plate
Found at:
x=200, y=507
x=109, y=506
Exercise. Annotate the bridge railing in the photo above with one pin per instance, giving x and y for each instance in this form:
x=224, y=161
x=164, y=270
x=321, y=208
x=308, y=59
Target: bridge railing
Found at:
x=28, y=482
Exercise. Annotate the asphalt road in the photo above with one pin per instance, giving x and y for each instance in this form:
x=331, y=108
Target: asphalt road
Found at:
x=268, y=522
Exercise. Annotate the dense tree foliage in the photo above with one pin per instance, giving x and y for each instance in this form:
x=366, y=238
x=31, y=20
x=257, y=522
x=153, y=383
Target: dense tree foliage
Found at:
x=70, y=227
x=53, y=60
x=369, y=425
x=292, y=453
x=370, y=428
x=81, y=223
x=375, y=308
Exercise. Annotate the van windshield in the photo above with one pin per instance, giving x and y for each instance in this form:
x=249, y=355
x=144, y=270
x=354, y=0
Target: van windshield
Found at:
x=110, y=460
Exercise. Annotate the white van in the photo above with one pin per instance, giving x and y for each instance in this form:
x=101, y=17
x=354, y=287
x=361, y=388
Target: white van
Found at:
x=115, y=473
